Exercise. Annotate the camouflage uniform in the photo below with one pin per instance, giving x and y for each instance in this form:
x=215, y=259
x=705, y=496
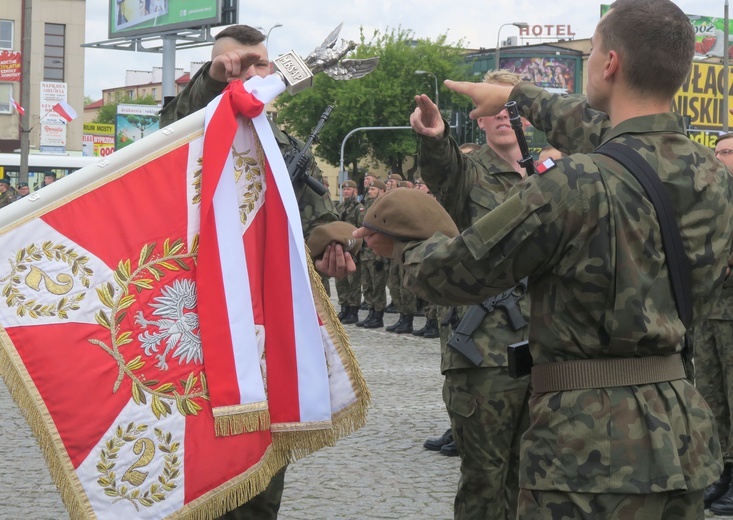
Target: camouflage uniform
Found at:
x=349, y=287
x=6, y=198
x=373, y=274
x=404, y=301
x=314, y=210
x=590, y=242
x=714, y=365
x=487, y=408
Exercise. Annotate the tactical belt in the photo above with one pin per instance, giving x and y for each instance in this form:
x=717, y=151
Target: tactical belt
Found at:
x=599, y=373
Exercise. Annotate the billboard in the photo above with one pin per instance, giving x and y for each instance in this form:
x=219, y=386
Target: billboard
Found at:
x=10, y=66
x=53, y=126
x=139, y=17
x=552, y=73
x=709, y=34
x=98, y=140
x=135, y=122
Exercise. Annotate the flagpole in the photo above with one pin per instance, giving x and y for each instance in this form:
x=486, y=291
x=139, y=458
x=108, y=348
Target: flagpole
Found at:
x=25, y=90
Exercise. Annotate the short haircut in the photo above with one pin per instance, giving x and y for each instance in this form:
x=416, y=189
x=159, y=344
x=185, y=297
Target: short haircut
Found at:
x=724, y=137
x=655, y=41
x=244, y=34
x=504, y=76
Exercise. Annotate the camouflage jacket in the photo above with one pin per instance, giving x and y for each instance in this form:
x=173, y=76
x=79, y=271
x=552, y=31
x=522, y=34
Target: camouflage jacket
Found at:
x=590, y=242
x=6, y=198
x=366, y=254
x=314, y=209
x=351, y=211
x=469, y=186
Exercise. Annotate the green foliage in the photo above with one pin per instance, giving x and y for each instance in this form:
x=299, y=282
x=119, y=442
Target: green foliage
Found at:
x=385, y=97
x=108, y=112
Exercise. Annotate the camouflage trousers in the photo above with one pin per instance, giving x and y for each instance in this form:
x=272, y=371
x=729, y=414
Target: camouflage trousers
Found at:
x=348, y=289
x=264, y=506
x=431, y=311
x=326, y=281
x=489, y=413
x=373, y=283
x=404, y=301
x=713, y=340
x=554, y=505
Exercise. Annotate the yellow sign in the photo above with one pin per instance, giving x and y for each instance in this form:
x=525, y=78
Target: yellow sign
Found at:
x=701, y=97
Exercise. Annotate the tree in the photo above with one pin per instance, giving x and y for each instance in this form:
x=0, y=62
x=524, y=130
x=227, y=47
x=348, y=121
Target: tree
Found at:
x=108, y=112
x=88, y=100
x=385, y=97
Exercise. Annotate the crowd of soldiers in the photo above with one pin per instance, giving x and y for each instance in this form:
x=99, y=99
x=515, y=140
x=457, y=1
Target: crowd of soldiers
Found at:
x=367, y=287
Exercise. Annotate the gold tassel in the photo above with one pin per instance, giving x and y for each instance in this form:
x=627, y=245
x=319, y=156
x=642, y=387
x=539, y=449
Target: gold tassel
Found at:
x=234, y=424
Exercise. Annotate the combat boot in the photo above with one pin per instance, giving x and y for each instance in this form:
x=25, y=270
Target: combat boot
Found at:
x=431, y=329
x=362, y=322
x=390, y=309
x=436, y=443
x=406, y=326
x=449, y=450
x=420, y=332
x=396, y=324
x=723, y=506
x=375, y=322
x=342, y=314
x=352, y=316
x=718, y=488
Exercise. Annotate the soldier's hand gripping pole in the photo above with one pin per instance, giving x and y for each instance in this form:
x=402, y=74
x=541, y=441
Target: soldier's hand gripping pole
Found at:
x=526, y=162
x=299, y=161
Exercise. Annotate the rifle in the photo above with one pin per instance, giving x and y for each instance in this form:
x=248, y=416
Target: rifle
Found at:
x=298, y=160
x=462, y=338
x=527, y=161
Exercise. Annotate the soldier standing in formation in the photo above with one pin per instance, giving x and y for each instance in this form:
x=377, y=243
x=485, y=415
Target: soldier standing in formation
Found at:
x=487, y=407
x=617, y=430
x=430, y=330
x=7, y=194
x=349, y=288
x=373, y=269
x=714, y=368
x=403, y=301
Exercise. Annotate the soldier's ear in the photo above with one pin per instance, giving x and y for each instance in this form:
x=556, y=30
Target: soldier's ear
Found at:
x=272, y=67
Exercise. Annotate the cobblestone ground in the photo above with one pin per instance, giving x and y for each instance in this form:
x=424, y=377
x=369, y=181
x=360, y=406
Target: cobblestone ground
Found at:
x=379, y=472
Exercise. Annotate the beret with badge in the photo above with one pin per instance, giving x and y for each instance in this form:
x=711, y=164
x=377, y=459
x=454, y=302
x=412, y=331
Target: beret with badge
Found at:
x=409, y=215
x=376, y=183
x=348, y=184
x=339, y=232
x=395, y=177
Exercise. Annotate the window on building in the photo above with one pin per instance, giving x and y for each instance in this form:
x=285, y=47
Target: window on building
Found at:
x=154, y=93
x=54, y=41
x=130, y=94
x=6, y=34
x=6, y=90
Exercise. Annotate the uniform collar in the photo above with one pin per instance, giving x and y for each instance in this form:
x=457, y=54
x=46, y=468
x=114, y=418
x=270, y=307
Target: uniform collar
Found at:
x=665, y=122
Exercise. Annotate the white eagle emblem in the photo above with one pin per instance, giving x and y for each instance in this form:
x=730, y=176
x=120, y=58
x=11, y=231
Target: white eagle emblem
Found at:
x=177, y=327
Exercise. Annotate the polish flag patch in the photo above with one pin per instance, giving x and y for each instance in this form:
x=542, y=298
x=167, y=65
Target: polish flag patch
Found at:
x=544, y=166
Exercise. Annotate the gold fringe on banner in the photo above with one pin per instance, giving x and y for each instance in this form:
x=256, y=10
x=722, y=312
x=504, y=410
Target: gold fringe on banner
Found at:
x=26, y=396
x=233, y=420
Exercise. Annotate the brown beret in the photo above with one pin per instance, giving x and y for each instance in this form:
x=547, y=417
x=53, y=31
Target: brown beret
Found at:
x=405, y=184
x=348, y=184
x=395, y=176
x=409, y=215
x=376, y=183
x=339, y=232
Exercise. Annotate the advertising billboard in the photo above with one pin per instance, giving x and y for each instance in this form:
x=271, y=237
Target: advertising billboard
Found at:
x=98, y=140
x=549, y=73
x=701, y=97
x=135, y=122
x=53, y=126
x=141, y=17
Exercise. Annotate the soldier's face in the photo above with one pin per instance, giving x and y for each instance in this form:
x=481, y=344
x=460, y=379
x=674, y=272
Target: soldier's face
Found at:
x=368, y=180
x=499, y=132
x=3, y=187
x=24, y=190
x=724, y=152
x=349, y=193
x=261, y=68
x=597, y=88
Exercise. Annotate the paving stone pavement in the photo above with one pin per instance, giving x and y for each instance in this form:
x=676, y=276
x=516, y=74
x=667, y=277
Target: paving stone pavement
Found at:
x=380, y=472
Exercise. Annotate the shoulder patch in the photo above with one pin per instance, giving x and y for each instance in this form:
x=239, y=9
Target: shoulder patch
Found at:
x=544, y=166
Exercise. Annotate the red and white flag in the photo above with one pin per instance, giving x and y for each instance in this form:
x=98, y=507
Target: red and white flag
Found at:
x=16, y=105
x=113, y=285
x=65, y=110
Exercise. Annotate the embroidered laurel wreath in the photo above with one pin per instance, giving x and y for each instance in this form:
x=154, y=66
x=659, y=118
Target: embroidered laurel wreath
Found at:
x=130, y=282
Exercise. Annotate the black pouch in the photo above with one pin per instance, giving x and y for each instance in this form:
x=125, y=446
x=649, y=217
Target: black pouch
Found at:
x=520, y=359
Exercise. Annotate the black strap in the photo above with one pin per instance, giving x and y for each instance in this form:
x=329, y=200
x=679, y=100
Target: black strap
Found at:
x=679, y=267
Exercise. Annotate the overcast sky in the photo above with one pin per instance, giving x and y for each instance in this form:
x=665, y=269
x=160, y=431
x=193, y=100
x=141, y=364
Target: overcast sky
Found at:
x=304, y=29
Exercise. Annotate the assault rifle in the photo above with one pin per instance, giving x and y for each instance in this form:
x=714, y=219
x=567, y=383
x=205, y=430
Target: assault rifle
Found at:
x=298, y=160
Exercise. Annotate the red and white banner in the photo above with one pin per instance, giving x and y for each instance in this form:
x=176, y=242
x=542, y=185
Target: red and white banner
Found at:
x=115, y=282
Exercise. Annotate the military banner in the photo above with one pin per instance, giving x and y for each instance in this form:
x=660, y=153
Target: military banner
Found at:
x=132, y=359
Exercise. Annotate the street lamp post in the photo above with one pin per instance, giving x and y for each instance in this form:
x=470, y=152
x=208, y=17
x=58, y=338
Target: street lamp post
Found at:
x=425, y=72
x=521, y=25
x=267, y=38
